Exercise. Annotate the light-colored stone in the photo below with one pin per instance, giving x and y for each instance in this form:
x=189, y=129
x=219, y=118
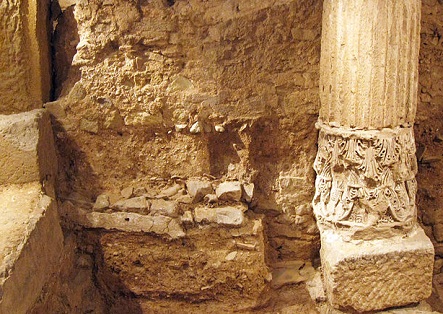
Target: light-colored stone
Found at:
x=229, y=191
x=139, y=203
x=101, y=202
x=198, y=188
x=231, y=256
x=187, y=218
x=30, y=245
x=127, y=192
x=170, y=191
x=377, y=274
x=25, y=75
x=165, y=208
x=27, y=148
x=195, y=128
x=228, y=215
x=132, y=222
x=248, y=192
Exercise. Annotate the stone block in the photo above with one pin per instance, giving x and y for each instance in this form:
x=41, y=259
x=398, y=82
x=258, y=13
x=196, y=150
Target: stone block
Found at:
x=27, y=148
x=227, y=215
x=377, y=274
x=30, y=245
x=229, y=191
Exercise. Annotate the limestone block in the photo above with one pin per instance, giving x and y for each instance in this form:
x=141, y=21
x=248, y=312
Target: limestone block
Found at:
x=130, y=222
x=25, y=80
x=27, y=148
x=377, y=274
x=30, y=245
x=228, y=215
x=229, y=191
x=197, y=189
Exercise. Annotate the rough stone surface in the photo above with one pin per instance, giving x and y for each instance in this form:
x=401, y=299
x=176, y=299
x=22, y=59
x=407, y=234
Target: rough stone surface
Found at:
x=229, y=191
x=24, y=55
x=227, y=216
x=193, y=269
x=27, y=148
x=198, y=189
x=30, y=245
x=166, y=208
x=377, y=274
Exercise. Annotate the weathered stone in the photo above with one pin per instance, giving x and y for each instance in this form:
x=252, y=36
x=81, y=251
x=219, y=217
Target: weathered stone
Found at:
x=27, y=148
x=219, y=128
x=170, y=191
x=132, y=222
x=377, y=274
x=165, y=208
x=231, y=256
x=101, y=202
x=248, y=192
x=229, y=191
x=127, y=192
x=30, y=245
x=228, y=216
x=187, y=218
x=25, y=75
x=135, y=203
x=198, y=188
x=195, y=128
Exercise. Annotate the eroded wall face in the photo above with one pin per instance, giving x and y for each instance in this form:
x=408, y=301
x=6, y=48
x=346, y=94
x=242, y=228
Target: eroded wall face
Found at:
x=145, y=72
x=24, y=55
x=225, y=89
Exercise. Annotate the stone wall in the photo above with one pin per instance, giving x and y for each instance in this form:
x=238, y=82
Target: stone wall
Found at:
x=153, y=94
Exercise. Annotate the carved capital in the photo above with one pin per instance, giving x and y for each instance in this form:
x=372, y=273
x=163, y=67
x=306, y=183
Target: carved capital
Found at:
x=365, y=180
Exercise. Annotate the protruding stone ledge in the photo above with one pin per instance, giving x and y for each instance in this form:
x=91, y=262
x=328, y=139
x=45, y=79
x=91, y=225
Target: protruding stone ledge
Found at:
x=30, y=245
x=27, y=151
x=377, y=274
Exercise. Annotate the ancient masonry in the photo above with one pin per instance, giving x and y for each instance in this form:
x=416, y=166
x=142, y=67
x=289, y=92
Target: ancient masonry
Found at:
x=374, y=254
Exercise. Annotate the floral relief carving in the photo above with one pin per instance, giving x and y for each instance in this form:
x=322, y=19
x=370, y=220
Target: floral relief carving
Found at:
x=365, y=178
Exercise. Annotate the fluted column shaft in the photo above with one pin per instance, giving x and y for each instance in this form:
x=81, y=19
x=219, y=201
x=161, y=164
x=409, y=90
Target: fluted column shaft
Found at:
x=374, y=255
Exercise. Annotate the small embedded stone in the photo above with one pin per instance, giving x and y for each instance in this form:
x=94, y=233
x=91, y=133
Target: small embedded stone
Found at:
x=132, y=203
x=210, y=198
x=248, y=192
x=231, y=256
x=170, y=191
x=180, y=127
x=228, y=215
x=187, y=218
x=219, y=128
x=101, y=202
x=195, y=128
x=127, y=192
x=197, y=189
x=165, y=208
x=229, y=191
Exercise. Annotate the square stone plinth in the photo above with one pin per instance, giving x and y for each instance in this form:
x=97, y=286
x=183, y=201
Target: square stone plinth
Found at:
x=377, y=274
x=31, y=242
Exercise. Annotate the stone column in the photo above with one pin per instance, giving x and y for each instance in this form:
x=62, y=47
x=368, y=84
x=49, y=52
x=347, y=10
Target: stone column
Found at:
x=374, y=254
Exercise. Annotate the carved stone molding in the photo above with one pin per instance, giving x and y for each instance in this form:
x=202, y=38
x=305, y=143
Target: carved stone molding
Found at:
x=366, y=180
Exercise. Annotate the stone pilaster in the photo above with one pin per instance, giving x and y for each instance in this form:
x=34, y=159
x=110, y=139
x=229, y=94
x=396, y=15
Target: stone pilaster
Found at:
x=366, y=166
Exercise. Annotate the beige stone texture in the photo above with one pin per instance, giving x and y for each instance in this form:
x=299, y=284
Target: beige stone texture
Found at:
x=369, y=63
x=24, y=55
x=27, y=150
x=377, y=274
x=30, y=245
x=194, y=269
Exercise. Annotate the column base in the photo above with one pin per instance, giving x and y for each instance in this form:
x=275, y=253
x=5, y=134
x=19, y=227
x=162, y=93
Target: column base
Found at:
x=377, y=274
